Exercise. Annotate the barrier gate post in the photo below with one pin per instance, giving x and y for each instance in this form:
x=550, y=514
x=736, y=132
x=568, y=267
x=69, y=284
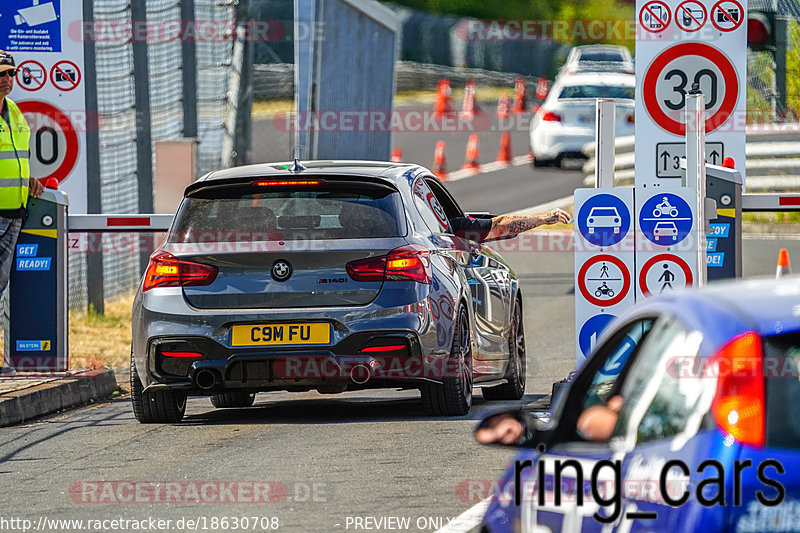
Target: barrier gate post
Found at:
x=36, y=335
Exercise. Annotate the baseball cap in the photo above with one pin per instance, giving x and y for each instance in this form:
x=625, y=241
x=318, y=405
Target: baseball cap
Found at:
x=6, y=61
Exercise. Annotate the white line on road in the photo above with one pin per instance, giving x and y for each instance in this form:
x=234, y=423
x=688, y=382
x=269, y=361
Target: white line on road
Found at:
x=467, y=520
x=494, y=166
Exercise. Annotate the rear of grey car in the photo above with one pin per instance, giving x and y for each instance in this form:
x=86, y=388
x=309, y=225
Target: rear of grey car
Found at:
x=291, y=283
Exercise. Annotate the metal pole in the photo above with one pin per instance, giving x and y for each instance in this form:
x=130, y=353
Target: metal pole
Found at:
x=189, y=69
x=94, y=261
x=696, y=172
x=781, y=49
x=244, y=128
x=144, y=142
x=604, y=137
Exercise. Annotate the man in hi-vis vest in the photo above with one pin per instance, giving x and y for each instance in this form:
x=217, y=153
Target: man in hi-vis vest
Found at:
x=15, y=181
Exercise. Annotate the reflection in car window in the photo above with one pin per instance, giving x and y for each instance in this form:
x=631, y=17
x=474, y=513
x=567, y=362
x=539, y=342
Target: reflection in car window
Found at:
x=429, y=208
x=657, y=399
x=606, y=377
x=597, y=91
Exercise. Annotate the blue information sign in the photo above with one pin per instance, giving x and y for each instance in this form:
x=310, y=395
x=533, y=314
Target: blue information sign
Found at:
x=27, y=26
x=604, y=220
x=591, y=330
x=665, y=219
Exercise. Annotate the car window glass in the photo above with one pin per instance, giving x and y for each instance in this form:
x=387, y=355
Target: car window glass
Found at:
x=619, y=351
x=429, y=208
x=449, y=205
x=658, y=399
x=597, y=91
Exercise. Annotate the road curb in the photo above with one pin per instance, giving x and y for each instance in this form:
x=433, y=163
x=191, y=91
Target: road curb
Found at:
x=39, y=400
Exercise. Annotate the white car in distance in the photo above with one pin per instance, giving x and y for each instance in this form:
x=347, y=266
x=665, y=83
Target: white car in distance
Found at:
x=565, y=121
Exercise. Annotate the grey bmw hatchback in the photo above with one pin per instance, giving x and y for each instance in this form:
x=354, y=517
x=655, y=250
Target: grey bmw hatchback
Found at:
x=331, y=276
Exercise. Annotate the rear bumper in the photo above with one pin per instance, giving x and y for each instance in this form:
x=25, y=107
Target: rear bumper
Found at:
x=335, y=369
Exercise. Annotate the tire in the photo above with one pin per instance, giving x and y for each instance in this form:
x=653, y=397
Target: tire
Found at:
x=514, y=389
x=233, y=399
x=156, y=407
x=540, y=163
x=453, y=397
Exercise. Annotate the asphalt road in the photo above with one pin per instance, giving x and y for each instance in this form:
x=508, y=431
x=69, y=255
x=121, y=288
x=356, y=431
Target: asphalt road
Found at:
x=352, y=455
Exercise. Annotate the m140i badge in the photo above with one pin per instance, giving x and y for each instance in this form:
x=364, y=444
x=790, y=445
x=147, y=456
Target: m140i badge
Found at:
x=281, y=270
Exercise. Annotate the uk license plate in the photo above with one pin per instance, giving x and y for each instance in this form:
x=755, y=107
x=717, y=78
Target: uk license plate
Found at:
x=281, y=334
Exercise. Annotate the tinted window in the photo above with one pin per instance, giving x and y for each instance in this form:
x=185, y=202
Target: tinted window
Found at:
x=782, y=357
x=656, y=397
x=328, y=211
x=601, y=56
x=597, y=91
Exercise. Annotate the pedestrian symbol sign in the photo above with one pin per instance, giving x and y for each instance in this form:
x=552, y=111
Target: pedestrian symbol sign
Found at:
x=665, y=219
x=664, y=273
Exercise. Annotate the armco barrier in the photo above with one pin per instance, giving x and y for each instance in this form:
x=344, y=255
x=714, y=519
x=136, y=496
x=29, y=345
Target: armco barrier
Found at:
x=772, y=151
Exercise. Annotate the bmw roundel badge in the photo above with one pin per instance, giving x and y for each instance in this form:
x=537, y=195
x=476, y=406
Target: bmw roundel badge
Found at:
x=281, y=270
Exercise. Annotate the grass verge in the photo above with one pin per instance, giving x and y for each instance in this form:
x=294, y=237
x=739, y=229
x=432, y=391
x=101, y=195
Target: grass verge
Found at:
x=97, y=340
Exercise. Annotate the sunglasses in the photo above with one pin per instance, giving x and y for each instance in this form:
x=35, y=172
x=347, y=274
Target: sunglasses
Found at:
x=10, y=73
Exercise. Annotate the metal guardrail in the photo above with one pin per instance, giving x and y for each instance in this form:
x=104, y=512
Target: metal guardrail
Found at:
x=772, y=158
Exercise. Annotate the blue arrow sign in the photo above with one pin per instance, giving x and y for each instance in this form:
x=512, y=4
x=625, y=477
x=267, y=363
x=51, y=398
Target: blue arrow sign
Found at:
x=591, y=330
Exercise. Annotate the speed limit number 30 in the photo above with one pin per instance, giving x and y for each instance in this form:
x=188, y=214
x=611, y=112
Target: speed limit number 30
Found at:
x=54, y=141
x=671, y=76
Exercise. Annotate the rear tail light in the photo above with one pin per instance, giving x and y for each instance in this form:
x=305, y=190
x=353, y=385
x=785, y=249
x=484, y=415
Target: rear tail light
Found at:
x=407, y=263
x=165, y=270
x=549, y=116
x=739, y=402
x=286, y=183
x=630, y=119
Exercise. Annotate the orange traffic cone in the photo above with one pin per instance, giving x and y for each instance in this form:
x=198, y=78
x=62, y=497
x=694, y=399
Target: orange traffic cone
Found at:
x=504, y=155
x=397, y=155
x=472, y=161
x=784, y=269
x=502, y=107
x=519, y=95
x=469, y=107
x=542, y=88
x=440, y=162
x=444, y=99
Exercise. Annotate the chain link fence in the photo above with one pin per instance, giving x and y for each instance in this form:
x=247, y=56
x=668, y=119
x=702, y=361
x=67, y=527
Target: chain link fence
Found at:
x=118, y=118
x=762, y=96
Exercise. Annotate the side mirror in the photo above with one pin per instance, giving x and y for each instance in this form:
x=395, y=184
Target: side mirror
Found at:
x=516, y=428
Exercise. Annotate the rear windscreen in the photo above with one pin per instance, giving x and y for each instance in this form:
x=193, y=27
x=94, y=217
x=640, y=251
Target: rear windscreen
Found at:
x=597, y=91
x=334, y=210
x=781, y=364
x=601, y=56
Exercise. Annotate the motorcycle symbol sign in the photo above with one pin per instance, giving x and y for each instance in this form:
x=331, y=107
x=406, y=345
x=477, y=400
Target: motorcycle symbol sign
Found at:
x=665, y=219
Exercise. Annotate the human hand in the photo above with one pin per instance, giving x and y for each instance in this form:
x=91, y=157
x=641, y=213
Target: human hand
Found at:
x=597, y=422
x=503, y=429
x=557, y=215
x=35, y=188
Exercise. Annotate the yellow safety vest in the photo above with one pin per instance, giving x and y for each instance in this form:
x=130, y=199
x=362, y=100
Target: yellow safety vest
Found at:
x=14, y=152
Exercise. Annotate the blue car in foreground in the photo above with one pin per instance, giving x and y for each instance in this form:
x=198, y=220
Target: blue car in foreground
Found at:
x=686, y=417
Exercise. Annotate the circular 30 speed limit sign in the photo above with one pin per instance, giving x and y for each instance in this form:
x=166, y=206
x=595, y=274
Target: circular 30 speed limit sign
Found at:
x=671, y=76
x=54, y=141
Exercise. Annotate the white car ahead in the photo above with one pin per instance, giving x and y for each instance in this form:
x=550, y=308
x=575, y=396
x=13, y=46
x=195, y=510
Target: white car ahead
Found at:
x=565, y=121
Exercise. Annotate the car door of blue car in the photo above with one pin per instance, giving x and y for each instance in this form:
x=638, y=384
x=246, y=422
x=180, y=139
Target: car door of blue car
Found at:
x=569, y=503
x=662, y=425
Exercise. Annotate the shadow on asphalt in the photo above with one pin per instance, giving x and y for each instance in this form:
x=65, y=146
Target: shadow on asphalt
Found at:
x=340, y=411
